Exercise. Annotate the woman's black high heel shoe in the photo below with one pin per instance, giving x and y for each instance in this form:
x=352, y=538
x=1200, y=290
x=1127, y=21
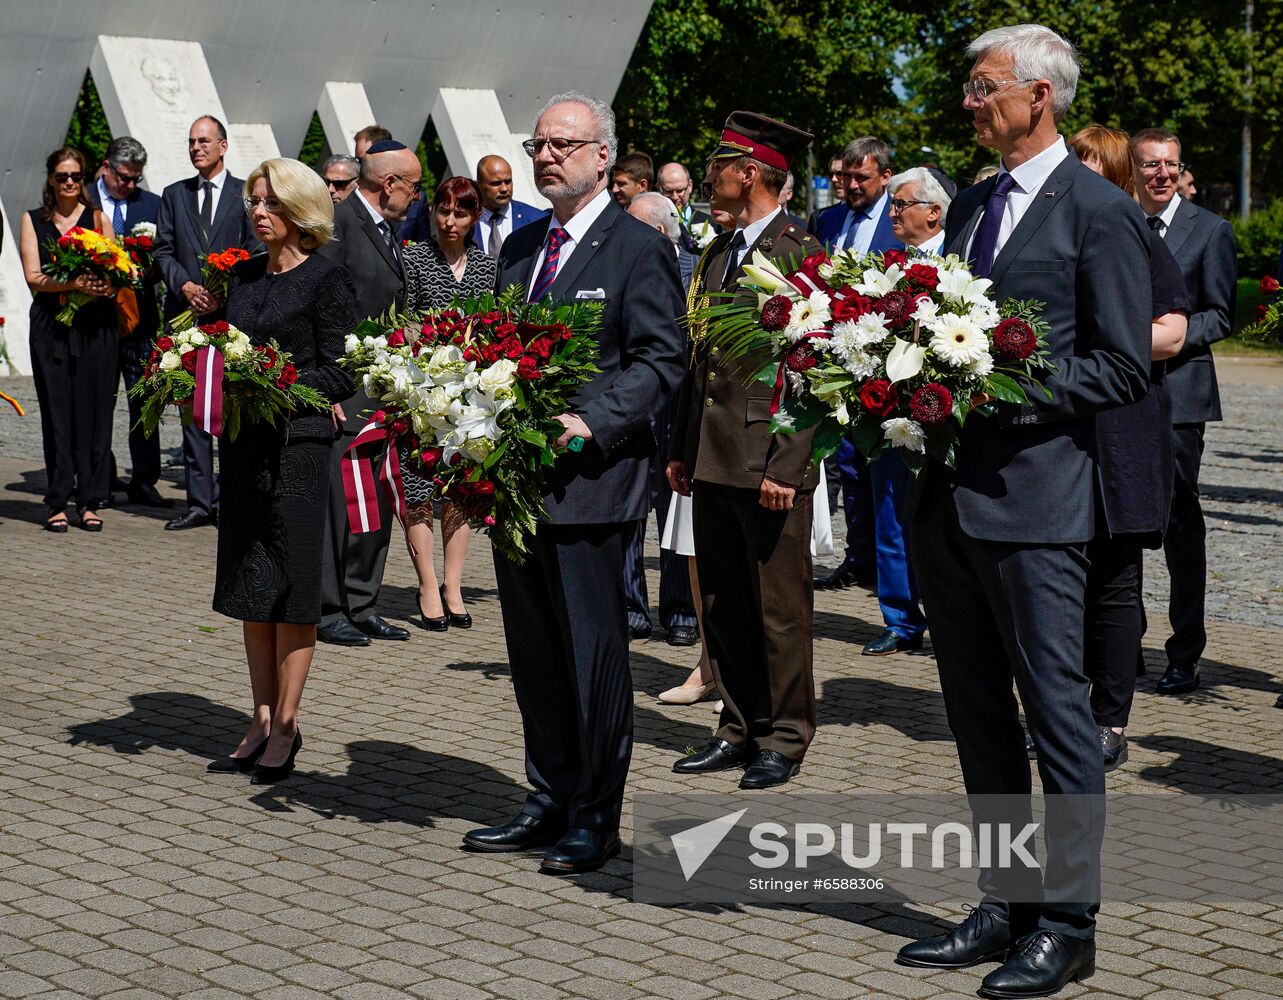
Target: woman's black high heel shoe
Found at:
x=458, y=621
x=230, y=765
x=265, y=774
x=441, y=624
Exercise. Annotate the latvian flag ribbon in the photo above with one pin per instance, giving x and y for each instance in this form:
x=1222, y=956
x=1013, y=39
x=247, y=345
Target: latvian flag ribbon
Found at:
x=359, y=487
x=207, y=401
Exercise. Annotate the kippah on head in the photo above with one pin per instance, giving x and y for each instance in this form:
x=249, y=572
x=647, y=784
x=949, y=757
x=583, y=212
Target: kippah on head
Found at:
x=386, y=146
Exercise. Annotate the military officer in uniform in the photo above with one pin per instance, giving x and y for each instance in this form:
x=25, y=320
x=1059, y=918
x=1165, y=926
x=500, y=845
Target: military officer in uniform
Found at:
x=751, y=488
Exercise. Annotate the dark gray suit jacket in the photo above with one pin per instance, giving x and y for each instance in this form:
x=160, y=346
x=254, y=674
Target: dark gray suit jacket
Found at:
x=141, y=206
x=1203, y=245
x=376, y=271
x=643, y=357
x=1025, y=474
x=181, y=242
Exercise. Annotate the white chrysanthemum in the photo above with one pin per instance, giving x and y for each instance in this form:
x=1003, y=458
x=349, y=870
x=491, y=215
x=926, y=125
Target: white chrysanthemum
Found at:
x=957, y=340
x=983, y=365
x=147, y=229
x=905, y=433
x=848, y=346
x=351, y=343
x=960, y=286
x=871, y=328
x=796, y=380
x=807, y=316
x=984, y=314
x=926, y=312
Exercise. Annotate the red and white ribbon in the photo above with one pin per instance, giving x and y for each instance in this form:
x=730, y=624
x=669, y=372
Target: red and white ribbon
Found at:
x=806, y=279
x=208, y=399
x=359, y=488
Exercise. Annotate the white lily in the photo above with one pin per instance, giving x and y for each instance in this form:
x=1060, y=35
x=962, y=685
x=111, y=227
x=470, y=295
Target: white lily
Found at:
x=762, y=275
x=960, y=286
x=877, y=283
x=905, y=360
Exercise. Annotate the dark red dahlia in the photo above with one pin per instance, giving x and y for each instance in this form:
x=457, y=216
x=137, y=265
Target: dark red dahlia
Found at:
x=801, y=358
x=775, y=313
x=896, y=306
x=1014, y=340
x=931, y=405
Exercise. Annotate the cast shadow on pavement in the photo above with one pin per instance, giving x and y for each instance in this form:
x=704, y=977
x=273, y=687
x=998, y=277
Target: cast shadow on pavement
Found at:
x=867, y=701
x=384, y=781
x=1213, y=675
x=1207, y=769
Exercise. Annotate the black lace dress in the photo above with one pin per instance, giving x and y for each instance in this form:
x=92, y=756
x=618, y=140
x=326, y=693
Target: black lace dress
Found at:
x=430, y=284
x=275, y=480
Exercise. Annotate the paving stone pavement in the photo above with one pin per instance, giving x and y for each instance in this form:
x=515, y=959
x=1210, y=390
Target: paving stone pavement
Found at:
x=128, y=873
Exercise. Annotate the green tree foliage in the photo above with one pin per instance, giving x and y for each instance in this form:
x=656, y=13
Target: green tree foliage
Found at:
x=88, y=130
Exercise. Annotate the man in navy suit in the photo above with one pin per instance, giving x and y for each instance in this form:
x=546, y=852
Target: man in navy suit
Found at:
x=1203, y=245
x=117, y=193
x=200, y=215
x=563, y=608
x=1000, y=540
x=501, y=214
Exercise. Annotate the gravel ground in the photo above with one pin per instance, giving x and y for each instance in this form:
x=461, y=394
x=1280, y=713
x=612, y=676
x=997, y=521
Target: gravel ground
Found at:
x=1242, y=491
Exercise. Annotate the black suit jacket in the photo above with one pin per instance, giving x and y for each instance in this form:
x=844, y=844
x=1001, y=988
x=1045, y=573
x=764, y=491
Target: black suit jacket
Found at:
x=376, y=271
x=141, y=206
x=1025, y=474
x=1203, y=245
x=181, y=242
x=643, y=356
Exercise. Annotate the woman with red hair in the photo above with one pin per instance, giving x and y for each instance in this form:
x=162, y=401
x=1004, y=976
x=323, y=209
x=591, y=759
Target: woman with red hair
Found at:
x=436, y=272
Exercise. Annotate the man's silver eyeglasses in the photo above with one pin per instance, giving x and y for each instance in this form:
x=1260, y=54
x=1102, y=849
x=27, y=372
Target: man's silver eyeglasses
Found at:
x=561, y=147
x=900, y=204
x=1171, y=166
x=983, y=89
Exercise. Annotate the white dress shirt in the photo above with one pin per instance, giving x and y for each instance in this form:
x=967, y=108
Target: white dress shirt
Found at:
x=933, y=246
x=751, y=233
x=1029, y=177
x=857, y=232
x=215, y=191
x=109, y=206
x=1167, y=215
x=576, y=229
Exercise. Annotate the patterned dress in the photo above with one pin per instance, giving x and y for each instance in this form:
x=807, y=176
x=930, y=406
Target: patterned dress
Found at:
x=430, y=284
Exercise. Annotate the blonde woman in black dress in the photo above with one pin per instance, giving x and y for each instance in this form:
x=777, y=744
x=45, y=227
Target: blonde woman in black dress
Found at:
x=275, y=480
x=436, y=271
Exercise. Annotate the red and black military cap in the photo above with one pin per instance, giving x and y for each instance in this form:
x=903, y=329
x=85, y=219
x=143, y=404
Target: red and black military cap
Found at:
x=764, y=139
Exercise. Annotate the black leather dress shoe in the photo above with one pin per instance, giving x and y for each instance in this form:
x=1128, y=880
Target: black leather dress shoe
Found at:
x=342, y=633
x=985, y=936
x=146, y=495
x=683, y=635
x=376, y=628
x=768, y=770
x=846, y=575
x=1114, y=746
x=639, y=631
x=1041, y=964
x=521, y=834
x=1179, y=678
x=191, y=519
x=717, y=756
x=892, y=642
x=580, y=851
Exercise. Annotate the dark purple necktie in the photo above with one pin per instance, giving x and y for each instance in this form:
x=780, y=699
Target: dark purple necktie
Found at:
x=548, y=272
x=982, y=247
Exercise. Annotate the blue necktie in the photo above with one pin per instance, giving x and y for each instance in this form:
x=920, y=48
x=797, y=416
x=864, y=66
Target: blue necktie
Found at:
x=548, y=272
x=982, y=247
x=118, y=219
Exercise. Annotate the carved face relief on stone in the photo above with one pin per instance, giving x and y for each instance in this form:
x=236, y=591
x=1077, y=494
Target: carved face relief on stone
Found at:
x=163, y=77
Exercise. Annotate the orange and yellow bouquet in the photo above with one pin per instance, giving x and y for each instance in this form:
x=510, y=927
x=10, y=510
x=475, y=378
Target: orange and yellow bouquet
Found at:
x=216, y=277
x=85, y=251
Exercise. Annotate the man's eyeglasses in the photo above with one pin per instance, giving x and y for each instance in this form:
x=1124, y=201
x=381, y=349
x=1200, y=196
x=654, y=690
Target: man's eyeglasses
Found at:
x=561, y=147
x=124, y=178
x=1154, y=166
x=339, y=183
x=983, y=89
x=898, y=205
x=414, y=186
x=271, y=205
x=62, y=178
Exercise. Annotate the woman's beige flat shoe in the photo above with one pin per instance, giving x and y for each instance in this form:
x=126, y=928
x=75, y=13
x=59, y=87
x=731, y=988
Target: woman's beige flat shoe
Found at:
x=687, y=695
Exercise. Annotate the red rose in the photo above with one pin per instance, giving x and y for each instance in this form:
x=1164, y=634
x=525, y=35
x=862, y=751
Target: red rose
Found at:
x=890, y=257
x=1014, y=340
x=470, y=353
x=931, y=405
x=396, y=339
x=430, y=456
x=800, y=358
x=456, y=458
x=379, y=416
x=851, y=307
x=222, y=326
x=878, y=396
x=489, y=521
x=484, y=487
x=775, y=313
x=1262, y=310
x=144, y=242
x=269, y=358
x=400, y=426
x=528, y=368
x=162, y=344
x=1269, y=285
x=189, y=361
x=289, y=374
x=896, y=306
x=923, y=276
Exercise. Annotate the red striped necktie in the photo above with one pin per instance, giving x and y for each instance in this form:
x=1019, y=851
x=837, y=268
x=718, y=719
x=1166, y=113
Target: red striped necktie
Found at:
x=548, y=272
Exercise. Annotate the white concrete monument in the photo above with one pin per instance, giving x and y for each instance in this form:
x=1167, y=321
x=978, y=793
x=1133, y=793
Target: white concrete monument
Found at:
x=471, y=125
x=248, y=145
x=344, y=109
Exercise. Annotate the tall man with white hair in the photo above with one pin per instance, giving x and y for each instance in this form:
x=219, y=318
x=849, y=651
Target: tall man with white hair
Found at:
x=563, y=608
x=918, y=208
x=999, y=542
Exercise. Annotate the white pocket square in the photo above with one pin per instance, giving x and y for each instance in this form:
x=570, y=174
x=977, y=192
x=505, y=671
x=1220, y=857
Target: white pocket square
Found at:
x=591, y=293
